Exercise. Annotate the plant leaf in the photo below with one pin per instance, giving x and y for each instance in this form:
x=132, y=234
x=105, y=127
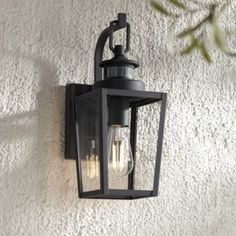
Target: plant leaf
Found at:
x=218, y=37
x=178, y=4
x=188, y=31
x=160, y=8
x=204, y=52
x=191, y=47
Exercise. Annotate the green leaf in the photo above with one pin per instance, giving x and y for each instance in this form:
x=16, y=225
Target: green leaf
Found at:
x=191, y=47
x=188, y=31
x=204, y=52
x=160, y=8
x=194, y=28
x=178, y=4
x=218, y=37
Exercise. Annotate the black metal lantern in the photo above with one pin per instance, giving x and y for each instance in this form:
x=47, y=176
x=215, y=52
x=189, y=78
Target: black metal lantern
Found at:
x=102, y=125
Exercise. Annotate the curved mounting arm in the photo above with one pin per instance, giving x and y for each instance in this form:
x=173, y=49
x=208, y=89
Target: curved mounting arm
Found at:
x=114, y=26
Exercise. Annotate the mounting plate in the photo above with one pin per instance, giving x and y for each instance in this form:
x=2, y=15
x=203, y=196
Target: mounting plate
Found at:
x=72, y=90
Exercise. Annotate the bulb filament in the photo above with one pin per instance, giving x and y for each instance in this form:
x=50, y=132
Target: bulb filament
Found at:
x=92, y=166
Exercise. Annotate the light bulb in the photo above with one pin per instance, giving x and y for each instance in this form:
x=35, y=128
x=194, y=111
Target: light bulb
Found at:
x=120, y=154
x=92, y=162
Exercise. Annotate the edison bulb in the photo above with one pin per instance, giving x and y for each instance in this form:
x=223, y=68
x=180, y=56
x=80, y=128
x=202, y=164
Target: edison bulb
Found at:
x=92, y=162
x=120, y=154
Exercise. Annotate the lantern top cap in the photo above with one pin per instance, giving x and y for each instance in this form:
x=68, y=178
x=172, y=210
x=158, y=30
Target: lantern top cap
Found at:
x=119, y=59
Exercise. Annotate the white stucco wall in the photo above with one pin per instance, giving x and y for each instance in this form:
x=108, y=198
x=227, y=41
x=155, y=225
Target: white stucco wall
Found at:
x=46, y=44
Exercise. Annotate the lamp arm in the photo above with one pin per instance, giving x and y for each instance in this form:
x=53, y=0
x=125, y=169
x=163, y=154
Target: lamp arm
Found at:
x=116, y=25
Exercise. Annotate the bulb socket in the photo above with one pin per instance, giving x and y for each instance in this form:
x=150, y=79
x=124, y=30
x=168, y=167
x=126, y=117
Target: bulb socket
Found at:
x=118, y=111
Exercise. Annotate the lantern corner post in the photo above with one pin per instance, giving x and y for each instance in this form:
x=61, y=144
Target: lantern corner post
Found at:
x=159, y=144
x=133, y=141
x=103, y=139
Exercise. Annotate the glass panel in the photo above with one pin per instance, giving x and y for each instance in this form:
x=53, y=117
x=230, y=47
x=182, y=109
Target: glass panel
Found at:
x=88, y=124
x=146, y=145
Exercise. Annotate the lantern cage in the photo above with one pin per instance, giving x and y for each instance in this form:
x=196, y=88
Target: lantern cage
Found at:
x=88, y=128
x=108, y=126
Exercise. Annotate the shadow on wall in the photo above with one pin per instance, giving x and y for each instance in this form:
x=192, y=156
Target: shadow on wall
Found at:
x=32, y=144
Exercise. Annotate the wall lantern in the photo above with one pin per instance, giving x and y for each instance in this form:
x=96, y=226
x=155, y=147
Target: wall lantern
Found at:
x=102, y=125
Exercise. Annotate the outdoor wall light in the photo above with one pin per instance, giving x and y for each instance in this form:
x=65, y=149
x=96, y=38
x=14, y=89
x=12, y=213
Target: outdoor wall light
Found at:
x=102, y=125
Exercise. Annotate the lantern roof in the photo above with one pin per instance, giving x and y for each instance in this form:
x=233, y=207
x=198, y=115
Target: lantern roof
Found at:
x=119, y=59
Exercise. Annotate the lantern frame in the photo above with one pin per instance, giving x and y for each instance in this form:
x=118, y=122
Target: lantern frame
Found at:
x=78, y=92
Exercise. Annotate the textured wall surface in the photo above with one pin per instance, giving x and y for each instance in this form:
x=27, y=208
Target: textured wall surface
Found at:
x=46, y=44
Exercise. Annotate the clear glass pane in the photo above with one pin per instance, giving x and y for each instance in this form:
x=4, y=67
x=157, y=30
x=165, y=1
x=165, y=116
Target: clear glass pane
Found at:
x=88, y=124
x=146, y=146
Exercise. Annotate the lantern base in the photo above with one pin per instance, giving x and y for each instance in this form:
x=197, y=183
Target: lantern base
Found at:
x=119, y=194
x=72, y=90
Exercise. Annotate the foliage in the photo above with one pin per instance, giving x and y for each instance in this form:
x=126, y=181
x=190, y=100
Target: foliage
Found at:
x=196, y=33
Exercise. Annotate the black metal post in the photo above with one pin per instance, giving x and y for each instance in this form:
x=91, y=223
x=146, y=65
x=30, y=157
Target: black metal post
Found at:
x=133, y=140
x=103, y=133
x=159, y=144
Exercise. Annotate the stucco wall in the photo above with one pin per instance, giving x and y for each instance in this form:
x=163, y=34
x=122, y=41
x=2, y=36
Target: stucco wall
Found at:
x=46, y=44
